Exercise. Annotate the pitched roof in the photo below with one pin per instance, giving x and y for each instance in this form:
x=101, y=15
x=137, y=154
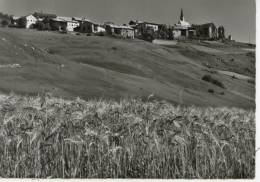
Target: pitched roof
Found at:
x=157, y=24
x=79, y=18
x=16, y=17
x=120, y=26
x=44, y=15
x=205, y=25
x=64, y=19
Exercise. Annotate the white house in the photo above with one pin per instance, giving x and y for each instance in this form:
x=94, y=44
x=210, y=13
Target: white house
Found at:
x=30, y=21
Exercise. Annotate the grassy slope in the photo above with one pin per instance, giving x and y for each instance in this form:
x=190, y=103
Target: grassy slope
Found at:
x=48, y=137
x=113, y=68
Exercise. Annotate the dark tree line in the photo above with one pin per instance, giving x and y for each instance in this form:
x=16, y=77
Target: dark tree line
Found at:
x=5, y=19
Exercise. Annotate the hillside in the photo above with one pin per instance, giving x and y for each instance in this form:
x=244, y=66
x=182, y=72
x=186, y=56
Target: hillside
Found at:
x=94, y=67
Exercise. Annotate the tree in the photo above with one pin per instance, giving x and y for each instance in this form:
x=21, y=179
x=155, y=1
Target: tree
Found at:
x=4, y=23
x=132, y=22
x=40, y=25
x=163, y=32
x=22, y=22
x=148, y=34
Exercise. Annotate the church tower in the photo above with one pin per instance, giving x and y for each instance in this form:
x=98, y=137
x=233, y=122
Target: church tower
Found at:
x=182, y=16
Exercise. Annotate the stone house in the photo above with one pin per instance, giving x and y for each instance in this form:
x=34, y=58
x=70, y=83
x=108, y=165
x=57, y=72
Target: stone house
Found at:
x=206, y=31
x=120, y=31
x=142, y=28
x=64, y=24
x=88, y=26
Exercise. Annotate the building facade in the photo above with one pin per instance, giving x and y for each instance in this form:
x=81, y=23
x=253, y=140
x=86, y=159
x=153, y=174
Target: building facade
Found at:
x=120, y=31
x=221, y=32
x=142, y=28
x=64, y=24
x=30, y=21
x=206, y=31
x=91, y=27
x=182, y=29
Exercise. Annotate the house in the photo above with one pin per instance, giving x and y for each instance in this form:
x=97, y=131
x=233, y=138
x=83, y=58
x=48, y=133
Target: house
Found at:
x=182, y=29
x=148, y=25
x=206, y=31
x=15, y=21
x=64, y=24
x=142, y=28
x=30, y=21
x=88, y=26
x=120, y=31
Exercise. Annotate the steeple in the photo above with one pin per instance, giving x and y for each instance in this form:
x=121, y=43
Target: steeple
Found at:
x=182, y=16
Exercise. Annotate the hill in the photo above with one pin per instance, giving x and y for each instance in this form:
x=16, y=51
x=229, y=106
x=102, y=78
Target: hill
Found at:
x=67, y=65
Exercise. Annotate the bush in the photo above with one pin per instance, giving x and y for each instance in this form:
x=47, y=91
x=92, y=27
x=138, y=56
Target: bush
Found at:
x=211, y=91
x=114, y=48
x=39, y=26
x=22, y=22
x=4, y=23
x=251, y=81
x=222, y=93
x=209, y=78
x=100, y=34
x=42, y=26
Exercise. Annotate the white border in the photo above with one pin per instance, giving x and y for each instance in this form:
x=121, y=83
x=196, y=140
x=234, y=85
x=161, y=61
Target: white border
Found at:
x=257, y=89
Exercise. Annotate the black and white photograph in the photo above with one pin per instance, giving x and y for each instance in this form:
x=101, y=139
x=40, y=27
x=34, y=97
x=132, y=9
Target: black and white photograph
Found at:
x=128, y=89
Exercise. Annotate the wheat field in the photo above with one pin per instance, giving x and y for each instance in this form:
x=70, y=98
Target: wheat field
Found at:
x=47, y=137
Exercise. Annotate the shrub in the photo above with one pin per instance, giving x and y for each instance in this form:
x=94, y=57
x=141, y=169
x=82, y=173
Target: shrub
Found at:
x=100, y=34
x=40, y=25
x=210, y=79
x=211, y=91
x=22, y=22
x=251, y=81
x=114, y=48
x=4, y=23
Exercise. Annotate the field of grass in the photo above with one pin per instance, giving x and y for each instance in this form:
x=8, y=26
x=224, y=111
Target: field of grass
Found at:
x=46, y=137
x=93, y=67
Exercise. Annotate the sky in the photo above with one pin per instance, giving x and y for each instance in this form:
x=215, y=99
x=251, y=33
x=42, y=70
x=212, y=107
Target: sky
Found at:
x=237, y=16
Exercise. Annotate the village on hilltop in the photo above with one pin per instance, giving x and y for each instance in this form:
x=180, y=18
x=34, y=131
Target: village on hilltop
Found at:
x=182, y=30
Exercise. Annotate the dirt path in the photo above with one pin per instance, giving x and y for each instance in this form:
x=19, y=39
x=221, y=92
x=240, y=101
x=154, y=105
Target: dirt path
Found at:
x=236, y=75
x=165, y=42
